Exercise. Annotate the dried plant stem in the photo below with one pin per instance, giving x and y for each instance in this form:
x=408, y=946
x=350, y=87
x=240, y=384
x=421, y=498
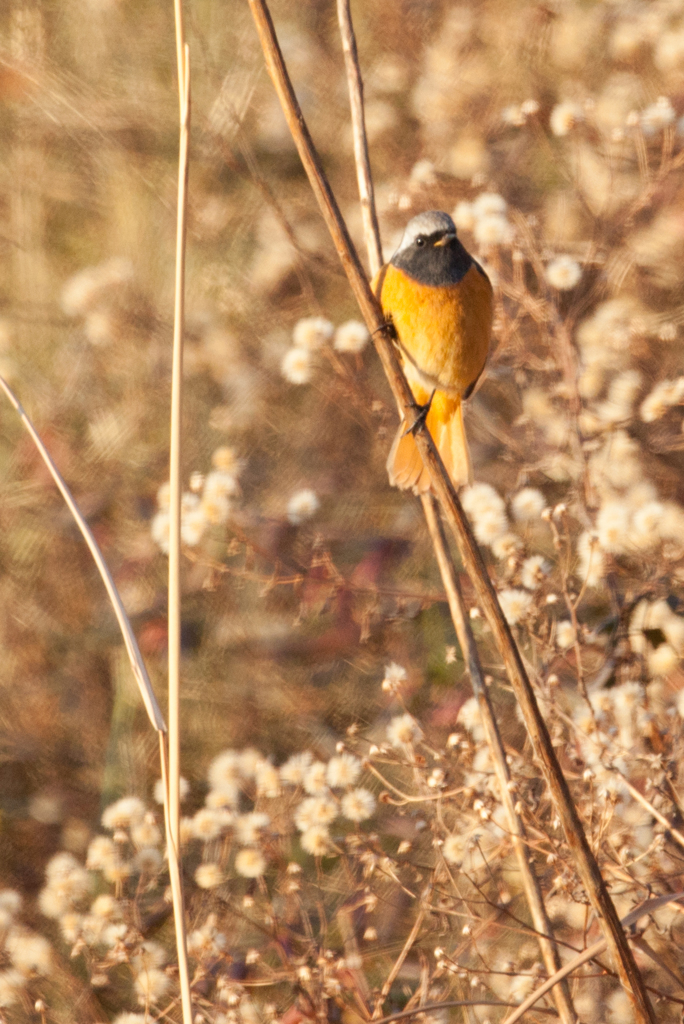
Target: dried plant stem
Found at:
x=447, y=1005
x=453, y=512
x=175, y=445
x=137, y=664
x=648, y=907
x=361, y=158
x=530, y=882
x=389, y=980
x=172, y=787
x=134, y=655
x=658, y=815
x=531, y=887
x=176, y=879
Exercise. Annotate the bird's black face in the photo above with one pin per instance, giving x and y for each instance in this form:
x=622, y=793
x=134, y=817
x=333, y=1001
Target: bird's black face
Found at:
x=436, y=258
x=438, y=239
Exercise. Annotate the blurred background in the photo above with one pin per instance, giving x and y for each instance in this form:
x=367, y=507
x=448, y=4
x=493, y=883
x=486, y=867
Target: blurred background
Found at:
x=553, y=133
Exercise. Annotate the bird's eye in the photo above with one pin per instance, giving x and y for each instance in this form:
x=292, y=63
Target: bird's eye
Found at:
x=420, y=240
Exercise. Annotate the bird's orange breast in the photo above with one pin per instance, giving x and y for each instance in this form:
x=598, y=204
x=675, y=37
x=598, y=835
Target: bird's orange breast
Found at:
x=443, y=332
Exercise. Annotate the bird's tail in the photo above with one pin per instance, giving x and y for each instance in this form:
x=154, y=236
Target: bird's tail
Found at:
x=445, y=423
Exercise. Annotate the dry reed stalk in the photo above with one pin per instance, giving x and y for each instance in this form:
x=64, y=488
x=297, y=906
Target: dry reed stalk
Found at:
x=648, y=907
x=531, y=887
x=516, y=827
x=398, y=963
x=364, y=176
x=450, y=1005
x=139, y=671
x=135, y=657
x=658, y=815
x=471, y=557
x=530, y=882
x=176, y=880
x=172, y=781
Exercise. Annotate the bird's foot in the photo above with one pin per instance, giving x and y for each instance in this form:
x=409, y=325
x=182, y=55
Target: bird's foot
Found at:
x=421, y=412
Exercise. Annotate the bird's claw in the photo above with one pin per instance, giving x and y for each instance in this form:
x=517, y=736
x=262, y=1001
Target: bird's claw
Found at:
x=421, y=412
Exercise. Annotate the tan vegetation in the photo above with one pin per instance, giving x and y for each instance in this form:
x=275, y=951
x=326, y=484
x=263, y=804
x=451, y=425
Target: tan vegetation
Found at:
x=346, y=849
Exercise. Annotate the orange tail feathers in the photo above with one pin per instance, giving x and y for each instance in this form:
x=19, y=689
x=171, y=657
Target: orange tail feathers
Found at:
x=445, y=423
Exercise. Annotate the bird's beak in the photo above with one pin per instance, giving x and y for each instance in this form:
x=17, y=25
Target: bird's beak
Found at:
x=450, y=236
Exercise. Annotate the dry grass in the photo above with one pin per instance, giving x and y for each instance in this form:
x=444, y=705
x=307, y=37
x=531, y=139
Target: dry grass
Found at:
x=293, y=608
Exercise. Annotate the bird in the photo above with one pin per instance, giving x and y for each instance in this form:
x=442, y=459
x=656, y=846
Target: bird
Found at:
x=440, y=303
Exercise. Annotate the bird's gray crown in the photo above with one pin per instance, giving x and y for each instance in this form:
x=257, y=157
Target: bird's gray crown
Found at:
x=427, y=224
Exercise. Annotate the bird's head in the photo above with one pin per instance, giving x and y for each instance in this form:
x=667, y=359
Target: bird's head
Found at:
x=430, y=252
x=433, y=229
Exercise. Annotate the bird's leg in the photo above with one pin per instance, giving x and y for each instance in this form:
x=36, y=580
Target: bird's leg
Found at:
x=388, y=326
x=421, y=415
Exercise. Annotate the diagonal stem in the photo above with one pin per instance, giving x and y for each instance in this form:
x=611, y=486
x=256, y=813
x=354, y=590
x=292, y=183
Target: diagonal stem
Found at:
x=453, y=513
x=134, y=655
x=531, y=886
x=530, y=882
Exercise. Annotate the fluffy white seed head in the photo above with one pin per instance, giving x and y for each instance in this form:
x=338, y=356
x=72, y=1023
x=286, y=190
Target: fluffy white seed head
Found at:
x=302, y=505
x=312, y=332
x=296, y=366
x=516, y=604
x=563, y=273
x=403, y=731
x=564, y=117
x=352, y=336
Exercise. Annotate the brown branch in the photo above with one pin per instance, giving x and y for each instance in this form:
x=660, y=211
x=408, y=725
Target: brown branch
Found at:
x=533, y=893
x=449, y=1004
x=453, y=512
x=413, y=935
x=648, y=907
x=361, y=159
x=530, y=882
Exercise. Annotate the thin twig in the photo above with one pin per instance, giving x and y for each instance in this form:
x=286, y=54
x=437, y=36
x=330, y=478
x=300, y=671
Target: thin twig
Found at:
x=361, y=158
x=658, y=815
x=448, y=1005
x=453, y=512
x=413, y=935
x=174, y=612
x=175, y=877
x=530, y=882
x=464, y=633
x=648, y=907
x=134, y=655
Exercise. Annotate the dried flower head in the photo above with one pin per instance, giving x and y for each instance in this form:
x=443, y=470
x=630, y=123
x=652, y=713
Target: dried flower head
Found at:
x=315, y=810
x=351, y=336
x=249, y=827
x=516, y=605
x=250, y=863
x=209, y=875
x=343, y=771
x=533, y=571
x=565, y=634
x=295, y=769
x=403, y=731
x=316, y=840
x=316, y=778
x=124, y=813
x=563, y=273
x=528, y=504
x=565, y=117
x=312, y=332
x=302, y=505
x=296, y=366
x=395, y=675
x=358, y=804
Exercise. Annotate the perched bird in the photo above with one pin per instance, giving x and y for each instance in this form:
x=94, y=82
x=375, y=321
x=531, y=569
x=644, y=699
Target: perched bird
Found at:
x=440, y=302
